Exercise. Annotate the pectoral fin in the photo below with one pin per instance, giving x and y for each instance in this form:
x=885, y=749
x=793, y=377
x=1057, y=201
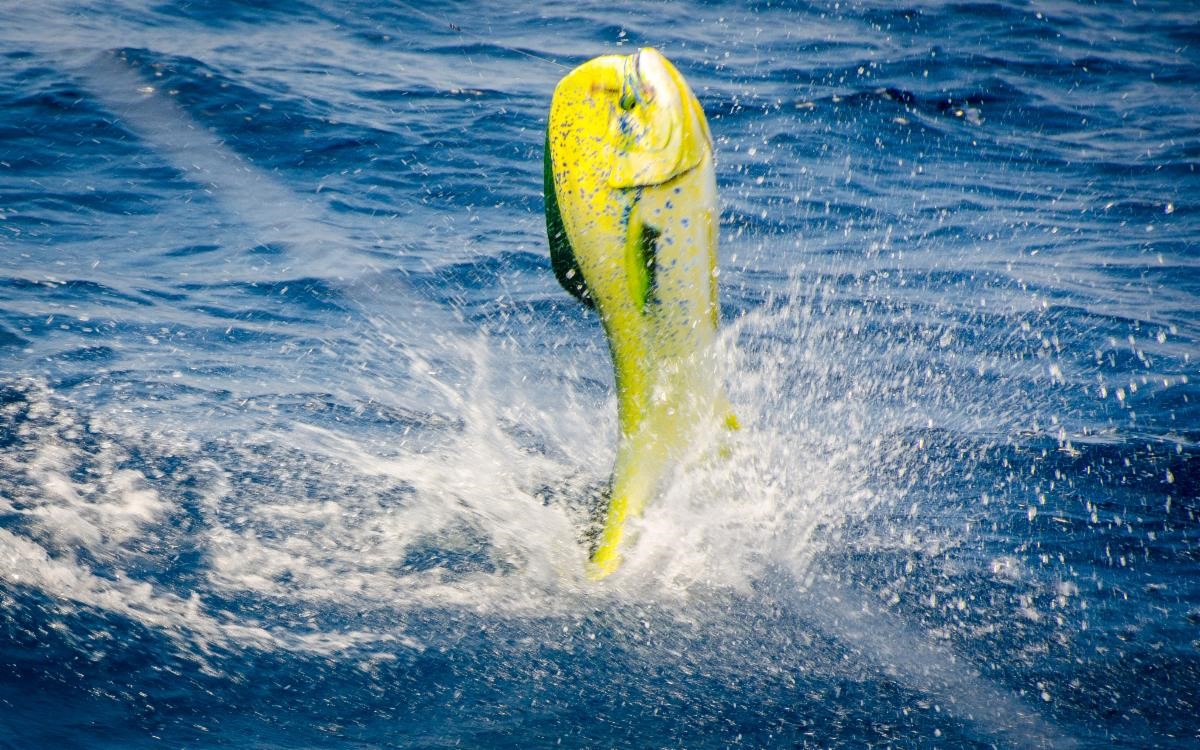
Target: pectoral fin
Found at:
x=641, y=259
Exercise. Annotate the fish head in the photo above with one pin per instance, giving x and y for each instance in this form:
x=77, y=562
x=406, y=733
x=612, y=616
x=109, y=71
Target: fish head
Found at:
x=631, y=116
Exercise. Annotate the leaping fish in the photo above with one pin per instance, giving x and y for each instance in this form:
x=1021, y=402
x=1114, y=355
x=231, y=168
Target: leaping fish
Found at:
x=632, y=221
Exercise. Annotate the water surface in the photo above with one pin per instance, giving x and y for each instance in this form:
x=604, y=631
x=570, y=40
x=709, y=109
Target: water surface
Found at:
x=299, y=437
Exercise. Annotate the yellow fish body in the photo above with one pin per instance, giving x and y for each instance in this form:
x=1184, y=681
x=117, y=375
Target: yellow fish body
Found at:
x=632, y=220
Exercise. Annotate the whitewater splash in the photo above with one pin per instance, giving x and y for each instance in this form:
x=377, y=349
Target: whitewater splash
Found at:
x=482, y=506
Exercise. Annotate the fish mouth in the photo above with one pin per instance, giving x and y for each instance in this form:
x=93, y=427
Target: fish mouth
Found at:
x=634, y=89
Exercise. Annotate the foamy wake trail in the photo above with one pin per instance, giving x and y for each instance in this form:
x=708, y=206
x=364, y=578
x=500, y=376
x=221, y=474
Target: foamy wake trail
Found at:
x=266, y=209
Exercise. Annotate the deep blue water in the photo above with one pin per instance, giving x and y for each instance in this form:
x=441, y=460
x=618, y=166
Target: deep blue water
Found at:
x=299, y=437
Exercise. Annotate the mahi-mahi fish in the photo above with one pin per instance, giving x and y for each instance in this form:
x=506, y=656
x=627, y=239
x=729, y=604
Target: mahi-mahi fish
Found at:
x=631, y=214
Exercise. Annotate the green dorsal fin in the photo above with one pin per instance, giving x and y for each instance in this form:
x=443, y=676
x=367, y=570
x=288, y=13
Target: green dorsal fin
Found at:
x=562, y=255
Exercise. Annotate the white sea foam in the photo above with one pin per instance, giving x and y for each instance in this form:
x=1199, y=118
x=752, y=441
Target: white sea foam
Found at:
x=316, y=515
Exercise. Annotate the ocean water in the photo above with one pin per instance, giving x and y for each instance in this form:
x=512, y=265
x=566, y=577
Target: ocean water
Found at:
x=300, y=439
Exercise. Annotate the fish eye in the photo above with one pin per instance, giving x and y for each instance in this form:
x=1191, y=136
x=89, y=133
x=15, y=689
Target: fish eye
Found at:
x=629, y=96
x=632, y=90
